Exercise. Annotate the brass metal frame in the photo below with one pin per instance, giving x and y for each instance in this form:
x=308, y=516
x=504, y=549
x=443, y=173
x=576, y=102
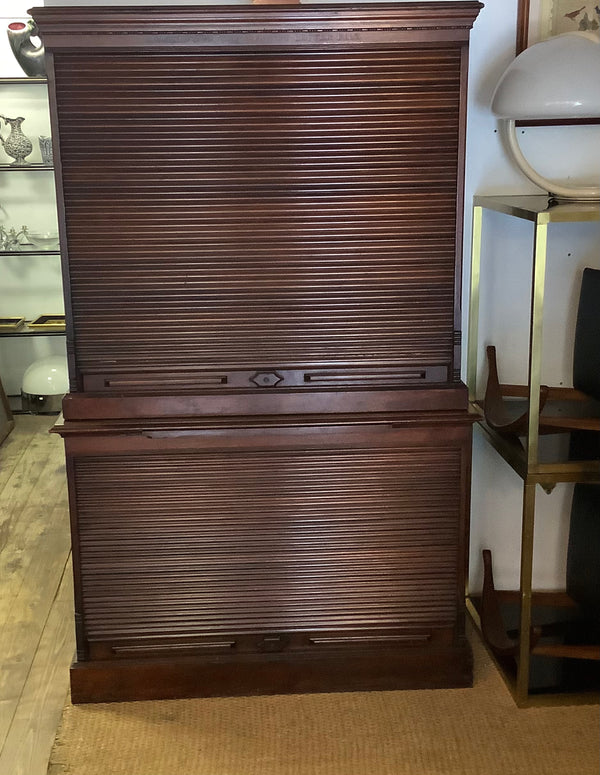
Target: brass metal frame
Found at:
x=541, y=212
x=50, y=322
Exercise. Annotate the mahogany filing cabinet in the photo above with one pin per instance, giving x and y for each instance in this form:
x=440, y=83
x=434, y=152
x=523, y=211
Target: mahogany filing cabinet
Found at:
x=267, y=439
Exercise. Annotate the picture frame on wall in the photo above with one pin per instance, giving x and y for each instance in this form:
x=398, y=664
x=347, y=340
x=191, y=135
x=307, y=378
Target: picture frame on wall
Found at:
x=541, y=19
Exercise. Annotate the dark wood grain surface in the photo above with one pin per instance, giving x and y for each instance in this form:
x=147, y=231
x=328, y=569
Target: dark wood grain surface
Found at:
x=301, y=215
x=268, y=441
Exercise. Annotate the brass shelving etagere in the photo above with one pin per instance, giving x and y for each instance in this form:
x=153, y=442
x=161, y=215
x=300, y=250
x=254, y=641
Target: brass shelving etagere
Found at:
x=525, y=458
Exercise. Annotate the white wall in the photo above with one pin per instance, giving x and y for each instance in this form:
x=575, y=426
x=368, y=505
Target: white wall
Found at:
x=496, y=501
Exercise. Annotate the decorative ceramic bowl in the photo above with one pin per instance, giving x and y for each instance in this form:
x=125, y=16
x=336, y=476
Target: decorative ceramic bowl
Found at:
x=43, y=240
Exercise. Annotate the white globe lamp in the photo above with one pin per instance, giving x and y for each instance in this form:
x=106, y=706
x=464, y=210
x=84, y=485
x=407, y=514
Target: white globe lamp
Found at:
x=558, y=80
x=45, y=383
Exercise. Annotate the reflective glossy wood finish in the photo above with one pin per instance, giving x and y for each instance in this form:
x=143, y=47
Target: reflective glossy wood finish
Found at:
x=267, y=436
x=331, y=549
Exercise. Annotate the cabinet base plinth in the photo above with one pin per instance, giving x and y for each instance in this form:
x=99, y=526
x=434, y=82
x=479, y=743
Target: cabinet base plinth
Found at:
x=154, y=679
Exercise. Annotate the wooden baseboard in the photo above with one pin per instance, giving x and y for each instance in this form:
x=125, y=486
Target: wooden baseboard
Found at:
x=153, y=679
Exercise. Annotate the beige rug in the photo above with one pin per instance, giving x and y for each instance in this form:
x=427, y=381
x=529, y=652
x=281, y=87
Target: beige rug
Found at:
x=475, y=731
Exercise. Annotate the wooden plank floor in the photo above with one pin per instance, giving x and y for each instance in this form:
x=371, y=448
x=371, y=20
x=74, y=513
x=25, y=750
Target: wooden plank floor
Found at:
x=37, y=641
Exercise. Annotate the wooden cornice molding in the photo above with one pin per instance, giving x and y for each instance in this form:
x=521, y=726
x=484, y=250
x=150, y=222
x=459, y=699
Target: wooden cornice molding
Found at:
x=64, y=28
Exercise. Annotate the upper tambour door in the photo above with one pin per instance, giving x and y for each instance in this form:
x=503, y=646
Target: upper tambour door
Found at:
x=289, y=210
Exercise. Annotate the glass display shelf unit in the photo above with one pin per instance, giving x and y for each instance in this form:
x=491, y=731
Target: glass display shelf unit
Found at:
x=21, y=90
x=541, y=212
x=535, y=673
x=26, y=331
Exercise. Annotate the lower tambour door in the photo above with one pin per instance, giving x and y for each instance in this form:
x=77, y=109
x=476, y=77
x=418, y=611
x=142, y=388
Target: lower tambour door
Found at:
x=267, y=540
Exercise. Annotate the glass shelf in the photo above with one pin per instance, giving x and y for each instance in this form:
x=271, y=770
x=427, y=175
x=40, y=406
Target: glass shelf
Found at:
x=22, y=79
x=540, y=208
x=31, y=167
x=25, y=331
x=29, y=252
x=546, y=473
x=552, y=680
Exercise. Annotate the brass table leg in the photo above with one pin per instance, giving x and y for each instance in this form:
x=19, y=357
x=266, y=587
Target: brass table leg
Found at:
x=527, y=530
x=474, y=303
x=529, y=492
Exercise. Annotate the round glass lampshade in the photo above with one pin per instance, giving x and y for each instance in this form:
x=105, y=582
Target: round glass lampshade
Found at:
x=557, y=79
x=44, y=384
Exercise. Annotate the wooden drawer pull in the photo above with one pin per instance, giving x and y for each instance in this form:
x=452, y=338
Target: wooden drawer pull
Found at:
x=170, y=647
x=403, y=639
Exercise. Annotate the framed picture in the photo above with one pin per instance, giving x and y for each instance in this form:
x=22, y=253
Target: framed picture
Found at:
x=540, y=19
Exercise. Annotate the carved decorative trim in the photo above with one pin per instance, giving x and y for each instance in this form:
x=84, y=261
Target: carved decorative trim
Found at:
x=266, y=378
x=273, y=31
x=272, y=20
